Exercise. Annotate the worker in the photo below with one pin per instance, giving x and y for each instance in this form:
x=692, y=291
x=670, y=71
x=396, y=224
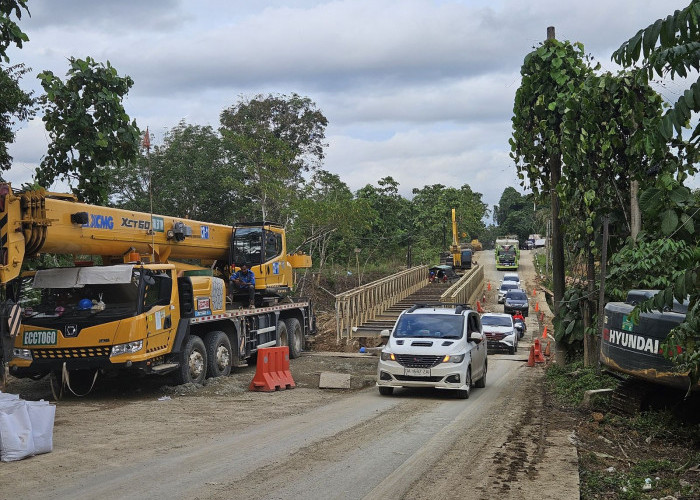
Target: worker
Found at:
x=244, y=281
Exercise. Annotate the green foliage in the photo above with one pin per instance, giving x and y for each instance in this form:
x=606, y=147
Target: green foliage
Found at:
x=571, y=381
x=568, y=325
x=670, y=46
x=89, y=129
x=15, y=104
x=515, y=214
x=330, y=219
x=550, y=74
x=432, y=214
x=189, y=177
x=273, y=141
x=10, y=32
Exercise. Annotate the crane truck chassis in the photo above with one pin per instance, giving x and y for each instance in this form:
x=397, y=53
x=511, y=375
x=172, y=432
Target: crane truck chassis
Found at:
x=143, y=311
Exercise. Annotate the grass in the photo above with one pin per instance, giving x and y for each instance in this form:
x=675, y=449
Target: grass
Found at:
x=569, y=383
x=658, y=446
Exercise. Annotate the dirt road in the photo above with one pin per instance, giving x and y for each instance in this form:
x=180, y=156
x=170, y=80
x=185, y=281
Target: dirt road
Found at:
x=223, y=442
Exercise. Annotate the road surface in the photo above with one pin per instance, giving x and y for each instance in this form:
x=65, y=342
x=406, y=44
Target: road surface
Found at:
x=308, y=444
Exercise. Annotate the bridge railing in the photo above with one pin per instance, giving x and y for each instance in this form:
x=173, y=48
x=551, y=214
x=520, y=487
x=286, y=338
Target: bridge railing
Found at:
x=364, y=303
x=467, y=289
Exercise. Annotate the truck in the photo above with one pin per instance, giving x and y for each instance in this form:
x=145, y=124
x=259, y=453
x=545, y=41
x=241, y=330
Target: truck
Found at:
x=136, y=308
x=507, y=253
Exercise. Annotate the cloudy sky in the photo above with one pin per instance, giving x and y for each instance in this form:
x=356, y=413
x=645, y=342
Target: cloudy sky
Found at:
x=420, y=90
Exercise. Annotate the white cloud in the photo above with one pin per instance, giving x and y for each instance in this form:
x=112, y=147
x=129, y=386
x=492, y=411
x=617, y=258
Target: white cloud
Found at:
x=421, y=90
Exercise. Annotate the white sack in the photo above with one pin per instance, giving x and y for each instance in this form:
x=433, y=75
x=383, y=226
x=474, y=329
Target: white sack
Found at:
x=41, y=415
x=16, y=440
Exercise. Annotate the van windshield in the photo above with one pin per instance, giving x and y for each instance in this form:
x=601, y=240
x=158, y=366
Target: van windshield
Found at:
x=444, y=326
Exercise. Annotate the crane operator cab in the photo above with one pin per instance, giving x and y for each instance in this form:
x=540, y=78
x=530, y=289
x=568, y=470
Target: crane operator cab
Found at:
x=262, y=247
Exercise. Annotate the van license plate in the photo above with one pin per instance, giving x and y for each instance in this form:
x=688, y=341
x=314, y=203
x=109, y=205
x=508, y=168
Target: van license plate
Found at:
x=417, y=372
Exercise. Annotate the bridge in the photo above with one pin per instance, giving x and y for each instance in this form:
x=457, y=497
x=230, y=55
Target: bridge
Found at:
x=368, y=309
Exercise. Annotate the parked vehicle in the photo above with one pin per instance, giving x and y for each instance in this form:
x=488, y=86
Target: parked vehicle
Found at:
x=442, y=274
x=504, y=288
x=439, y=346
x=635, y=349
x=139, y=310
x=500, y=332
x=516, y=300
x=507, y=252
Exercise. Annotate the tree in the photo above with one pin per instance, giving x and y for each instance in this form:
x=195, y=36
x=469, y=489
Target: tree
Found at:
x=671, y=46
x=431, y=220
x=390, y=229
x=89, y=129
x=330, y=219
x=274, y=140
x=189, y=177
x=15, y=104
x=550, y=74
x=515, y=214
x=10, y=32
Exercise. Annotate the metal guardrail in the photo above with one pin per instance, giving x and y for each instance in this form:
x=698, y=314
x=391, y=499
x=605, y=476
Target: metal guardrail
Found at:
x=364, y=303
x=466, y=289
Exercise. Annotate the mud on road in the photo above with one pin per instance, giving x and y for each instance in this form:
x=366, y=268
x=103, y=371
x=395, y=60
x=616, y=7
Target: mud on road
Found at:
x=141, y=437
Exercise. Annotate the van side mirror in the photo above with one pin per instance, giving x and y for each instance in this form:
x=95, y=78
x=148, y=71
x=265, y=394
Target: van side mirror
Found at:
x=385, y=333
x=475, y=337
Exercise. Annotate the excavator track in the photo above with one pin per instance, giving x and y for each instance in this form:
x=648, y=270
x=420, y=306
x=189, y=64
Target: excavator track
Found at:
x=629, y=397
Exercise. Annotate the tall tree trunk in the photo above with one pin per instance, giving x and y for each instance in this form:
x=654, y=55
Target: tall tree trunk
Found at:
x=601, y=294
x=557, y=235
x=588, y=308
x=635, y=216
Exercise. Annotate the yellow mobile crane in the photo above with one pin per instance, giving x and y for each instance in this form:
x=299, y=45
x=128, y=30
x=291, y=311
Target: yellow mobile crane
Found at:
x=140, y=310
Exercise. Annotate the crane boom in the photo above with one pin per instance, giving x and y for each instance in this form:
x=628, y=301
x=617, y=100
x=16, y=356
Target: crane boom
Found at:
x=37, y=221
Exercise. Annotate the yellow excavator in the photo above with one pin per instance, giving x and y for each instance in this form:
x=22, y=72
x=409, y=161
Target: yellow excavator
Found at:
x=461, y=253
x=139, y=309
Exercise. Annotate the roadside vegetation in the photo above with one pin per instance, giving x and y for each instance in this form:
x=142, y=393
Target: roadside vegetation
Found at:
x=618, y=453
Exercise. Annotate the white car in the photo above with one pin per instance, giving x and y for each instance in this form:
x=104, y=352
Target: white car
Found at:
x=434, y=346
x=508, y=277
x=504, y=288
x=500, y=331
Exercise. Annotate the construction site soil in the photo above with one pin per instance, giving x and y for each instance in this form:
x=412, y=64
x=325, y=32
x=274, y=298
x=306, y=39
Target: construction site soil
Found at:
x=140, y=420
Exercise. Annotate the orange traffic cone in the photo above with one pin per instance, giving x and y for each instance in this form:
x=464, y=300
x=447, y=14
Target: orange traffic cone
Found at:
x=534, y=292
x=539, y=358
x=488, y=286
x=483, y=299
x=478, y=307
x=537, y=306
x=531, y=357
x=547, y=351
x=544, y=332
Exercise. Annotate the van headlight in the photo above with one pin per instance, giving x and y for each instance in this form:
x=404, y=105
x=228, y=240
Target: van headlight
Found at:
x=128, y=348
x=22, y=353
x=455, y=358
x=387, y=356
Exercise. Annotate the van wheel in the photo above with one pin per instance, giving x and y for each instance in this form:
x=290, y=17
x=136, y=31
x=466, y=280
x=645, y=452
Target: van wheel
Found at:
x=464, y=393
x=386, y=391
x=481, y=383
x=193, y=362
x=219, y=354
x=295, y=337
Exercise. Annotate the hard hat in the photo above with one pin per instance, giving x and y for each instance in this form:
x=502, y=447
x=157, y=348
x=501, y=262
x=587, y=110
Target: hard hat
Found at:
x=85, y=304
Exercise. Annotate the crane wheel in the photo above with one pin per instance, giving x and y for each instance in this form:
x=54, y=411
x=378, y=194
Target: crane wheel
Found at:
x=295, y=337
x=219, y=354
x=193, y=362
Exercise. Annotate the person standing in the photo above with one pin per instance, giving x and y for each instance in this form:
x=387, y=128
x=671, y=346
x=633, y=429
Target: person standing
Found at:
x=243, y=281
